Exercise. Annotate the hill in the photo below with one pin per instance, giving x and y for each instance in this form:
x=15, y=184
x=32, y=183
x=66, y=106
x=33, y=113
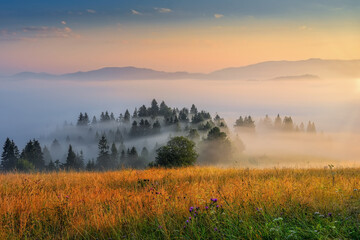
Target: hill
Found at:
x=270, y=70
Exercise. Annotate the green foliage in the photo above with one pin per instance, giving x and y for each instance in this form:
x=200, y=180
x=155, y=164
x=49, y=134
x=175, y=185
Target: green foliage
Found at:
x=24, y=165
x=33, y=153
x=216, y=134
x=178, y=152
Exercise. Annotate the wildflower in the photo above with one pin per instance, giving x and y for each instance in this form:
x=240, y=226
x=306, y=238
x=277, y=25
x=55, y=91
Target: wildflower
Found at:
x=160, y=227
x=217, y=206
x=214, y=200
x=330, y=214
x=187, y=221
x=191, y=209
x=215, y=229
x=189, y=218
x=206, y=207
x=316, y=213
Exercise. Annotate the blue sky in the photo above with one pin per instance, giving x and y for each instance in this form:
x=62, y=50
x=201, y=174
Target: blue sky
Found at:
x=173, y=35
x=90, y=13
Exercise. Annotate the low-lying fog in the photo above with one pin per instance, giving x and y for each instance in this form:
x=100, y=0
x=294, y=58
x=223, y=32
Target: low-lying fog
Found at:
x=34, y=108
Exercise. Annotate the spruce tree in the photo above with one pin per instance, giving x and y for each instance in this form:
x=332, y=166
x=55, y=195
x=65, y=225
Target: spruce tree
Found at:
x=70, y=159
x=127, y=116
x=9, y=156
x=114, y=156
x=103, y=159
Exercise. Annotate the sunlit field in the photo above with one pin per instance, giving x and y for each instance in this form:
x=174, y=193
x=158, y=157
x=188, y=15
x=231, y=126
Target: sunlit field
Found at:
x=185, y=203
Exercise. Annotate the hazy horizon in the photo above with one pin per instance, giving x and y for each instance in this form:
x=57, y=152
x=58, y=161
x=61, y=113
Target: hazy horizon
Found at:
x=196, y=37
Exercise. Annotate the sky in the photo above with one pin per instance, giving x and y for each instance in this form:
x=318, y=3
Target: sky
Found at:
x=172, y=35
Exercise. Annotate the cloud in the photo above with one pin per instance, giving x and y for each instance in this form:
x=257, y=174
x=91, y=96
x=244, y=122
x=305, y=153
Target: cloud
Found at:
x=163, y=10
x=37, y=32
x=135, y=12
x=217, y=15
x=90, y=11
x=304, y=28
x=63, y=22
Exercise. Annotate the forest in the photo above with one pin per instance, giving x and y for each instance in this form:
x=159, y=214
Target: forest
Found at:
x=137, y=140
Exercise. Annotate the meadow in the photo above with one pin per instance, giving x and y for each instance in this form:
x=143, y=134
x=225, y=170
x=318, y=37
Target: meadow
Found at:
x=185, y=203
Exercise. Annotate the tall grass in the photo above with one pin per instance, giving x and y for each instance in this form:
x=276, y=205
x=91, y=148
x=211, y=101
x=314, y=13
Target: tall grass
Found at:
x=187, y=203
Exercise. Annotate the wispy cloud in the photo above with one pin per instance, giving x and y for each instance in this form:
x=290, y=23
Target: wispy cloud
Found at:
x=135, y=12
x=63, y=22
x=218, y=15
x=37, y=32
x=91, y=11
x=304, y=28
x=163, y=10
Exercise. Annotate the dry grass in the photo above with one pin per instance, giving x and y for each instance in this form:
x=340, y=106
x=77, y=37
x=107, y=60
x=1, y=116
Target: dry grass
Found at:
x=155, y=203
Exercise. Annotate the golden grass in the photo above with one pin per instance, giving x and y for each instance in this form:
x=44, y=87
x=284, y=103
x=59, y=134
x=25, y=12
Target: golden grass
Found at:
x=69, y=204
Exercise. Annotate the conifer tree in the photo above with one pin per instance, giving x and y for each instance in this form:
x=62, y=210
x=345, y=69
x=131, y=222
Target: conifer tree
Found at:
x=9, y=156
x=70, y=159
x=127, y=116
x=103, y=159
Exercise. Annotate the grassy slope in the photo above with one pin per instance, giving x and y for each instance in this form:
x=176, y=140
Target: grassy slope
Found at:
x=155, y=204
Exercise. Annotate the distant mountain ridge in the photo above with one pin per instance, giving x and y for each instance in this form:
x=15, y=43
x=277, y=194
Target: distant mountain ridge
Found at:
x=270, y=70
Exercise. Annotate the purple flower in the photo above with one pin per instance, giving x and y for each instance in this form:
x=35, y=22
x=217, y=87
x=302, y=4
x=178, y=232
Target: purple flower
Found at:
x=215, y=229
x=206, y=207
x=217, y=206
x=213, y=200
x=160, y=226
x=189, y=218
x=191, y=209
x=330, y=214
x=187, y=221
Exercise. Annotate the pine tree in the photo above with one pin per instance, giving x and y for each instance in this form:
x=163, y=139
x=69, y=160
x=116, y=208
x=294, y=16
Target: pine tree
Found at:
x=94, y=121
x=154, y=110
x=118, y=136
x=70, y=159
x=103, y=159
x=127, y=116
x=193, y=109
x=143, y=111
x=79, y=162
x=90, y=166
x=51, y=166
x=9, y=156
x=80, y=120
x=144, y=153
x=277, y=122
x=114, y=156
x=164, y=110
x=33, y=153
x=47, y=155
x=135, y=114
x=86, y=120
